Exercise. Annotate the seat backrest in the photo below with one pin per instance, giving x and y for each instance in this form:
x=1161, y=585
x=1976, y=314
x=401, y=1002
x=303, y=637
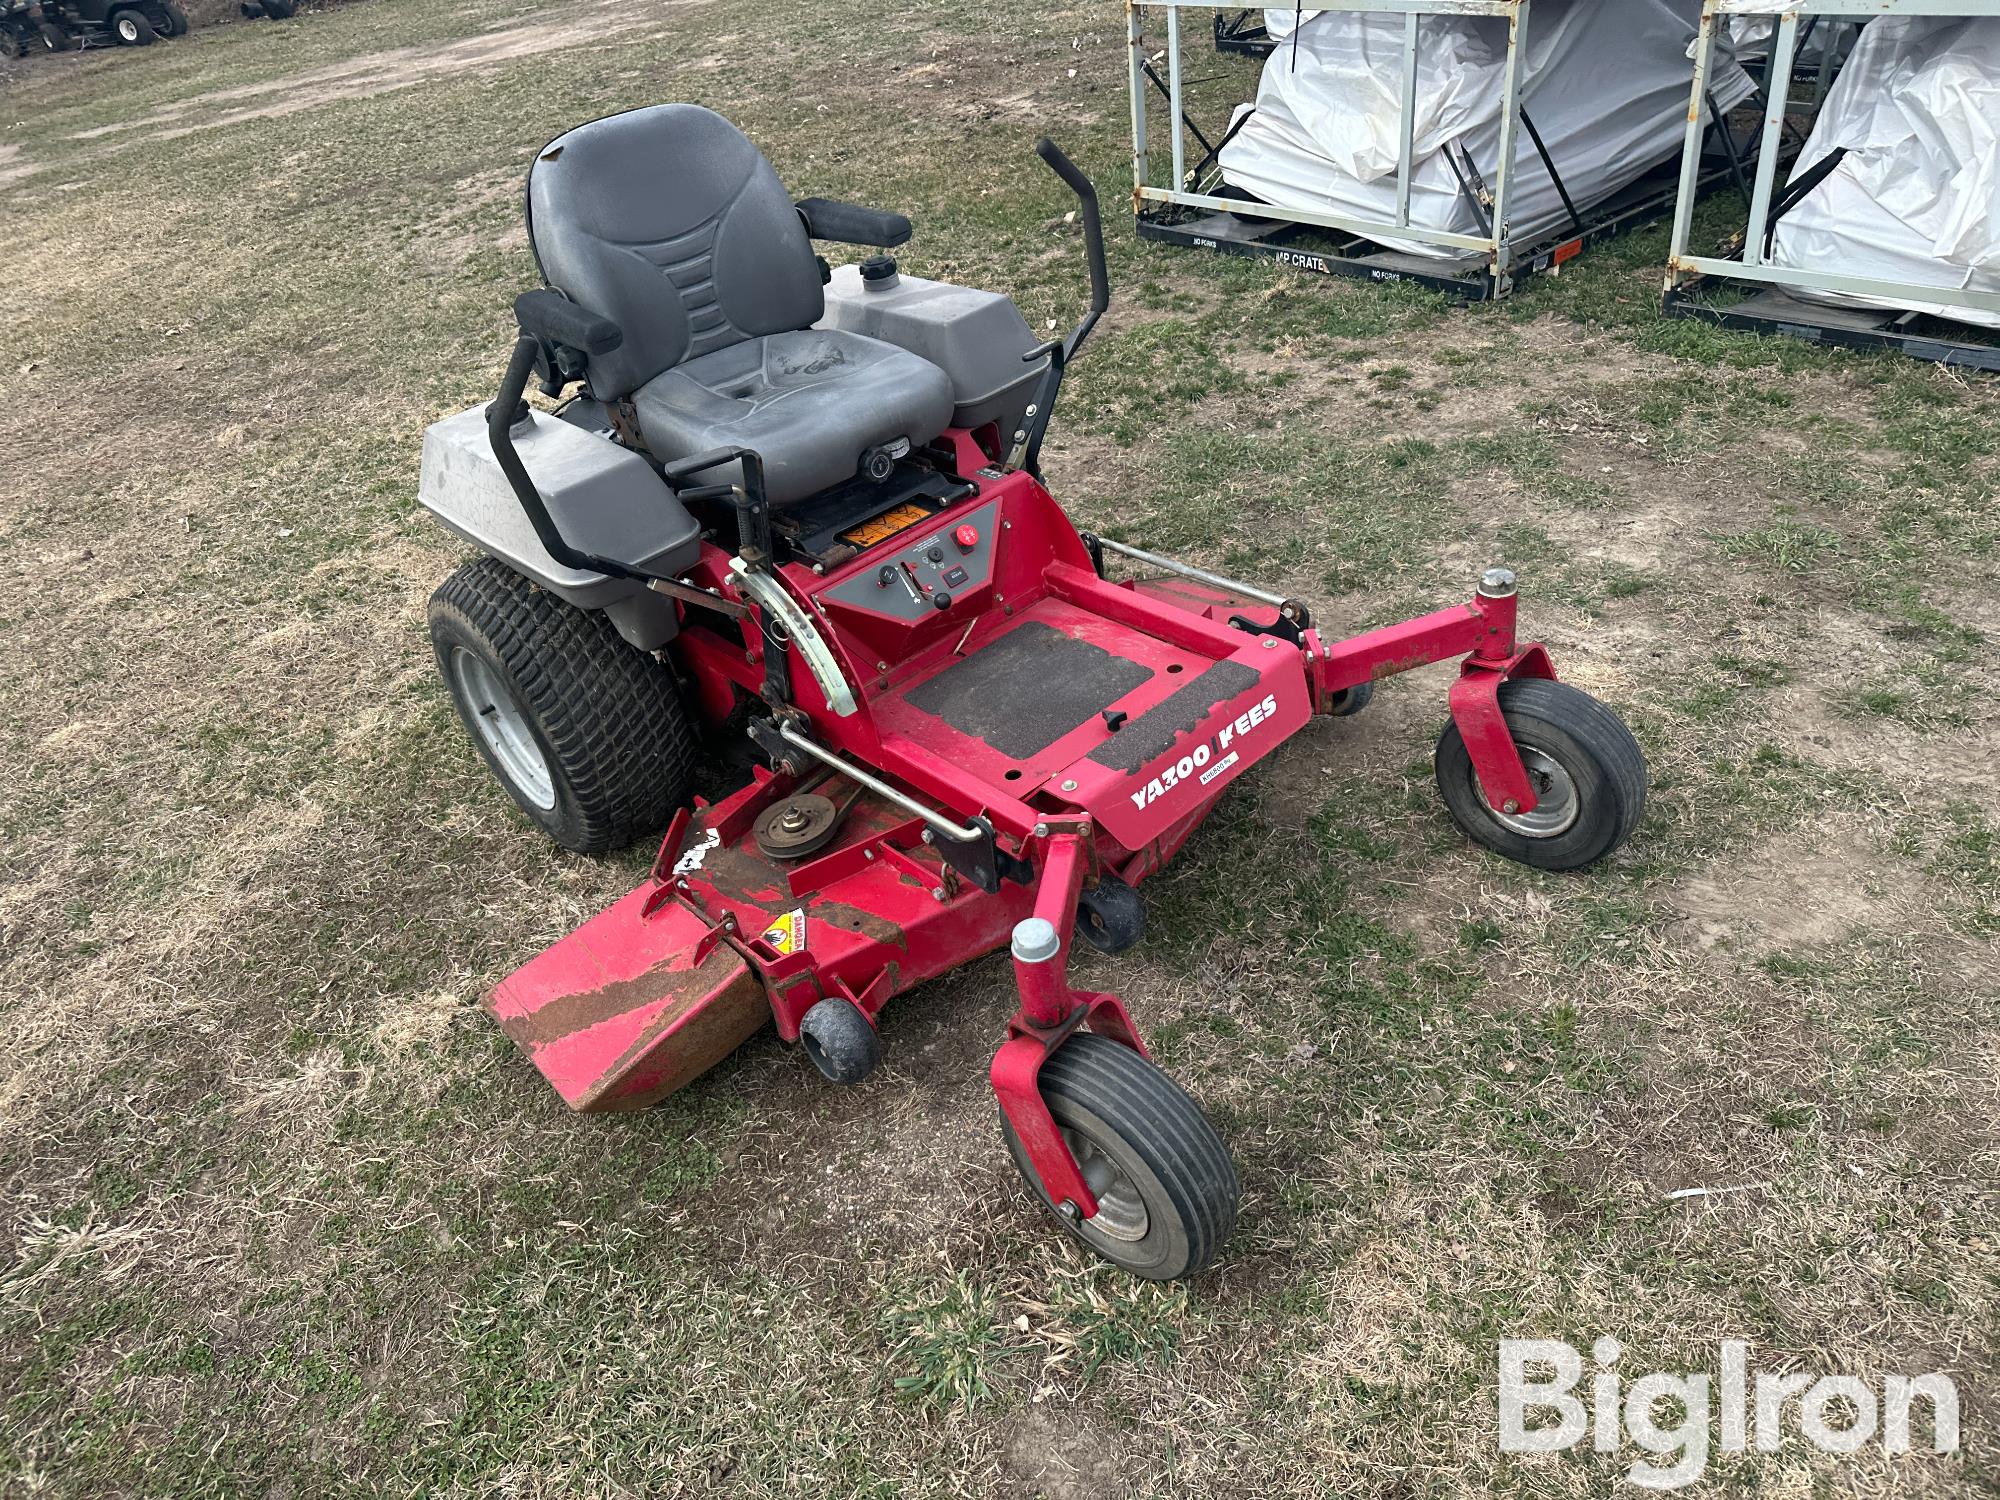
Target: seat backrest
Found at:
x=670, y=223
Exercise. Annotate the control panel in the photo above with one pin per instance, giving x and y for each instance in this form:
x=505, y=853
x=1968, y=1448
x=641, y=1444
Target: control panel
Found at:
x=927, y=576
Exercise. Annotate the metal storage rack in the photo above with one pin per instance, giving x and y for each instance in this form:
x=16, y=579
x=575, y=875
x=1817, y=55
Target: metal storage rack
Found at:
x=1488, y=264
x=1697, y=283
x=1242, y=31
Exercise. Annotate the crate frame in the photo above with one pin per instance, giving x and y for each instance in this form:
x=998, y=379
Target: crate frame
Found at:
x=1690, y=277
x=1488, y=266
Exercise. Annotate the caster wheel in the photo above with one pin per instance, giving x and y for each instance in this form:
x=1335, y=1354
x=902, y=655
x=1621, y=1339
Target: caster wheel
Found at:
x=1350, y=701
x=1112, y=917
x=840, y=1041
x=1165, y=1186
x=1588, y=772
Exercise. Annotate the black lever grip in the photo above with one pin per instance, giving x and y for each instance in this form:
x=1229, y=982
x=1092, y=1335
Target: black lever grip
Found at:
x=1093, y=238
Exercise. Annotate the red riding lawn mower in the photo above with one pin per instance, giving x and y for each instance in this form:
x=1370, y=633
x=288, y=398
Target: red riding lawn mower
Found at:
x=803, y=510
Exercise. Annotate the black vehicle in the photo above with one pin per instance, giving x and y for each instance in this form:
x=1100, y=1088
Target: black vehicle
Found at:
x=27, y=26
x=18, y=35
x=129, y=23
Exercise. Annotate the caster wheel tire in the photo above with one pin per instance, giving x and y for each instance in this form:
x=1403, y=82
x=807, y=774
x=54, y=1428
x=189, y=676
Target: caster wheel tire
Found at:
x=587, y=733
x=1166, y=1188
x=841, y=1042
x=251, y=9
x=131, y=28
x=1350, y=701
x=279, y=10
x=1112, y=916
x=1588, y=772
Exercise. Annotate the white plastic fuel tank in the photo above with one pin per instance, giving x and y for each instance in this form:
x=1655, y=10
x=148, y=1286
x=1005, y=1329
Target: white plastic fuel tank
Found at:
x=977, y=338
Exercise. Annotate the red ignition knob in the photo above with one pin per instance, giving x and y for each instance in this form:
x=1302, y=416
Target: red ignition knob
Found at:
x=967, y=537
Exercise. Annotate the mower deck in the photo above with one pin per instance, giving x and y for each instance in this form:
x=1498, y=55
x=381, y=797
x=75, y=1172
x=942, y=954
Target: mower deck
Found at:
x=1049, y=702
x=1065, y=715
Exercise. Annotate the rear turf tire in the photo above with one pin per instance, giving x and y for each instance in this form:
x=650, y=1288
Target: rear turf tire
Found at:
x=1172, y=1202
x=586, y=732
x=131, y=28
x=1589, y=774
x=177, y=21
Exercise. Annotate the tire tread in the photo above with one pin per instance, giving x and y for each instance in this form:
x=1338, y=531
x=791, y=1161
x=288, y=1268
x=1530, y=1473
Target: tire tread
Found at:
x=1170, y=1132
x=613, y=716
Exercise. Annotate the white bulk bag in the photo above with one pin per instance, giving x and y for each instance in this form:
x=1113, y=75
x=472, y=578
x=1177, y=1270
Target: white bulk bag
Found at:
x=1917, y=197
x=1607, y=86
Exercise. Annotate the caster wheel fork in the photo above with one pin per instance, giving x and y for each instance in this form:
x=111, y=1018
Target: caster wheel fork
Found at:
x=1165, y=1186
x=1586, y=771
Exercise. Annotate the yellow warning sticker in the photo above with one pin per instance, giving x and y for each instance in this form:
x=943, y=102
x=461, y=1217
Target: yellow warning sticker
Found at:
x=788, y=933
x=884, y=526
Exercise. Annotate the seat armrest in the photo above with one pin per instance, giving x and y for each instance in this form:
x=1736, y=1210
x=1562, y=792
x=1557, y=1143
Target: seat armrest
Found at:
x=554, y=319
x=851, y=224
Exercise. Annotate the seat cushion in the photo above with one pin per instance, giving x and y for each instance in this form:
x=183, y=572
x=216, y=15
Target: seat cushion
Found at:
x=809, y=403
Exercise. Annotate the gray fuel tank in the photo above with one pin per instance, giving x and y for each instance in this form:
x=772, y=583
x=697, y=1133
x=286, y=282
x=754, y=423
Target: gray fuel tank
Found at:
x=977, y=338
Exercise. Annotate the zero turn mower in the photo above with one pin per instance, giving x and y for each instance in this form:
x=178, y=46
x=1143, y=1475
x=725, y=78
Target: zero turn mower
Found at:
x=806, y=507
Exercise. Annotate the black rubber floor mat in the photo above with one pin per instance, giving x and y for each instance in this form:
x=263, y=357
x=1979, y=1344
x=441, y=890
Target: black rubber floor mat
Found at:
x=1153, y=733
x=1028, y=689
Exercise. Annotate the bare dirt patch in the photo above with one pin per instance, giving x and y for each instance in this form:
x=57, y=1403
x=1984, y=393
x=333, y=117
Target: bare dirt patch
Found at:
x=383, y=72
x=1798, y=888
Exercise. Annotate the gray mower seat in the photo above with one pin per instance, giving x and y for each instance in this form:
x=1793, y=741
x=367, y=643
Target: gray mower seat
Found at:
x=670, y=223
x=807, y=402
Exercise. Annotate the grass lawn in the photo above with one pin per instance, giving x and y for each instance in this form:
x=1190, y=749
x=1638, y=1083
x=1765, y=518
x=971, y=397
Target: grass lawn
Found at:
x=283, y=1215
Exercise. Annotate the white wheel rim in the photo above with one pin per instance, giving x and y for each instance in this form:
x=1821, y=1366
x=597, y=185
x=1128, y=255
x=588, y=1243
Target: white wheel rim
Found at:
x=128, y=31
x=1556, y=803
x=1121, y=1212
x=502, y=728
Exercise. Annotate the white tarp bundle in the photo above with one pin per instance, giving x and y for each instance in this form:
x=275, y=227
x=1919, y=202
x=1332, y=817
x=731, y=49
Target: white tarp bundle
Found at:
x=1751, y=37
x=1917, y=197
x=1278, y=24
x=1606, y=84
